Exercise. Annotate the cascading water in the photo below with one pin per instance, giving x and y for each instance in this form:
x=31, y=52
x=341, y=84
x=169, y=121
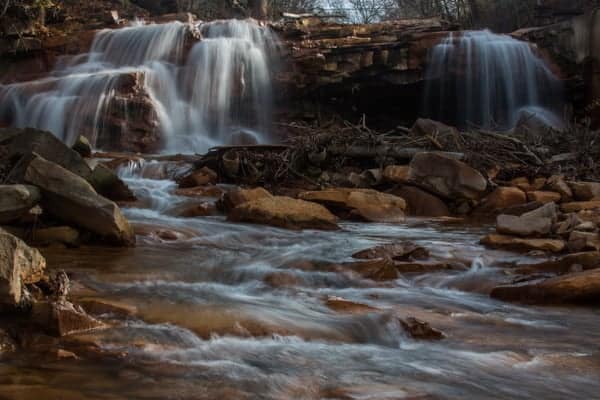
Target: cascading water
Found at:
x=217, y=92
x=489, y=80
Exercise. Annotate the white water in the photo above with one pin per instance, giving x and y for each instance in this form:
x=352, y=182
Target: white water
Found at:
x=487, y=79
x=202, y=97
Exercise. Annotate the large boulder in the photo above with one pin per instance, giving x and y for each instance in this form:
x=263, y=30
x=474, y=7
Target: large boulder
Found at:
x=364, y=204
x=446, y=176
x=581, y=288
x=420, y=203
x=237, y=196
x=538, y=222
x=502, y=198
x=19, y=265
x=48, y=146
x=73, y=200
x=16, y=200
x=107, y=183
x=284, y=212
x=585, y=191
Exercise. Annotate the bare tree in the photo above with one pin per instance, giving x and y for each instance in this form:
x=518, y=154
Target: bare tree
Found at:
x=370, y=11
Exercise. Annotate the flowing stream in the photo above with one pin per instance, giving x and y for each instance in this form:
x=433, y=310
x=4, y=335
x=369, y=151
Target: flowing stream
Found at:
x=237, y=311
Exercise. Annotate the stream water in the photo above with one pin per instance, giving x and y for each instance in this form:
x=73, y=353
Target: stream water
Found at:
x=236, y=311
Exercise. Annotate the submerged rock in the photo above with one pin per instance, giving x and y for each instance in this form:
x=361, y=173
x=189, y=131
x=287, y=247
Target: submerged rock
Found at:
x=61, y=318
x=421, y=330
x=364, y=204
x=342, y=305
x=72, y=199
x=284, y=212
x=17, y=200
x=399, y=251
x=579, y=288
x=447, y=177
x=19, y=265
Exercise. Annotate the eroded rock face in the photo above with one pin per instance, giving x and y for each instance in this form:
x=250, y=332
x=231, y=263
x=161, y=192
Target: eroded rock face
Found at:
x=16, y=200
x=73, y=200
x=364, y=204
x=581, y=288
x=284, y=212
x=19, y=265
x=446, y=176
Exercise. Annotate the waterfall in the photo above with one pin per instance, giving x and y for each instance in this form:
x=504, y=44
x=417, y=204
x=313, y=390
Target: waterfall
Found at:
x=194, y=94
x=489, y=80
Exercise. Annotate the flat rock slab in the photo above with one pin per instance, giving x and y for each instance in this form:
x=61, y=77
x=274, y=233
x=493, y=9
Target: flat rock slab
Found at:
x=524, y=244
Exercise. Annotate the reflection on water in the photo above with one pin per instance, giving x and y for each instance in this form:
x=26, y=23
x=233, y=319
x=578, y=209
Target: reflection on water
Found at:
x=238, y=312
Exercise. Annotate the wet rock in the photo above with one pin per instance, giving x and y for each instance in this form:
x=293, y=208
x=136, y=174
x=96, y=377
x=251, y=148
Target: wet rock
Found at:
x=557, y=183
x=421, y=267
x=421, y=203
x=580, y=206
x=420, y=330
x=364, y=204
x=17, y=200
x=446, y=176
x=561, y=265
x=72, y=199
x=107, y=183
x=19, y=265
x=198, y=210
x=238, y=196
x=578, y=288
x=100, y=307
x=83, y=147
x=58, y=234
x=579, y=241
x=203, y=176
x=585, y=191
x=525, y=244
x=48, y=146
x=400, y=251
x=62, y=318
x=396, y=173
x=379, y=269
x=544, y=197
x=523, y=226
x=201, y=191
x=342, y=305
x=284, y=212
x=500, y=199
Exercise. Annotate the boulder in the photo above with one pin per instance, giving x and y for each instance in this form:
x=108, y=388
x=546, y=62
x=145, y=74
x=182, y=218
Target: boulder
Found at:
x=585, y=191
x=447, y=177
x=421, y=203
x=363, y=204
x=578, y=288
x=556, y=183
x=107, y=183
x=396, y=173
x=284, y=212
x=16, y=201
x=399, y=251
x=517, y=243
x=501, y=198
x=238, y=196
x=201, y=191
x=83, y=147
x=48, y=146
x=377, y=269
x=562, y=265
x=577, y=206
x=19, y=265
x=202, y=209
x=203, y=176
x=522, y=183
x=425, y=127
x=538, y=222
x=544, y=196
x=72, y=199
x=62, y=318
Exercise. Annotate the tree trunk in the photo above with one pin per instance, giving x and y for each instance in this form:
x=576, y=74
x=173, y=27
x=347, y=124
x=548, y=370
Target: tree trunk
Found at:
x=259, y=8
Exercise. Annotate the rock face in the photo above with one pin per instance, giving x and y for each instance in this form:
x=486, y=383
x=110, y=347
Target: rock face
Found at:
x=447, y=177
x=16, y=200
x=580, y=288
x=364, y=204
x=284, y=212
x=19, y=265
x=73, y=200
